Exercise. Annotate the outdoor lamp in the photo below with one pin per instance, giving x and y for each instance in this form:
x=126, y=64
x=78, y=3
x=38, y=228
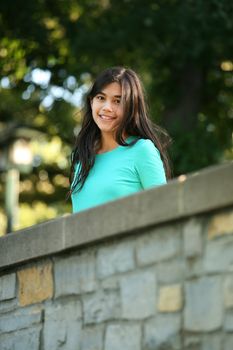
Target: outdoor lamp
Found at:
x=21, y=155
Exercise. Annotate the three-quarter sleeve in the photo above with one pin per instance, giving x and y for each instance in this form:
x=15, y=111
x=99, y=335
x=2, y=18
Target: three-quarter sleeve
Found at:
x=149, y=165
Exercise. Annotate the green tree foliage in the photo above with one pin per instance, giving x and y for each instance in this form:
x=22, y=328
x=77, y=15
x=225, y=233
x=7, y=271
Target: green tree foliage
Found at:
x=183, y=50
x=178, y=47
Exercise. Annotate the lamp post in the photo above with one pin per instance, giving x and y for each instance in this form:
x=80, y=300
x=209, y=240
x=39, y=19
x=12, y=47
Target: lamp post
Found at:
x=19, y=160
x=12, y=198
x=15, y=157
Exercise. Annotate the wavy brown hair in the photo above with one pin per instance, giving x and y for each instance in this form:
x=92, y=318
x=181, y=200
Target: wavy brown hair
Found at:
x=136, y=122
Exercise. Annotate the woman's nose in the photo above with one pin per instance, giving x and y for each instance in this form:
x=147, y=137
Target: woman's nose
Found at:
x=107, y=105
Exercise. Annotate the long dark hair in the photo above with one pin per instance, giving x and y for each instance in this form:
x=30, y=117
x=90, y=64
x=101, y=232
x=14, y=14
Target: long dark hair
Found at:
x=136, y=122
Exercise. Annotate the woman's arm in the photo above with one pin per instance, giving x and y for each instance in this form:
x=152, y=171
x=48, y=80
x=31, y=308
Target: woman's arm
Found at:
x=149, y=165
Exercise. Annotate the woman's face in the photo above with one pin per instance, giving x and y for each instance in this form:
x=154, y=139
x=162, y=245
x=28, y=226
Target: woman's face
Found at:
x=107, y=108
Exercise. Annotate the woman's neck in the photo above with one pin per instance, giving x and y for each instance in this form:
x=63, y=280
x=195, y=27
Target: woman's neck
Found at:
x=107, y=143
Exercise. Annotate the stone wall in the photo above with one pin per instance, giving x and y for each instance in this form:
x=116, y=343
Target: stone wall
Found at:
x=140, y=273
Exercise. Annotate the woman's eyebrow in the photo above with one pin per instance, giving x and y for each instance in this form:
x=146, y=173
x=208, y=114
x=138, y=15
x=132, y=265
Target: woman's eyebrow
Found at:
x=102, y=93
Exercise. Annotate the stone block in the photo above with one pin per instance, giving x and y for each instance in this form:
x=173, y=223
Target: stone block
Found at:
x=92, y=338
x=101, y=306
x=127, y=337
x=192, y=235
x=163, y=332
x=111, y=282
x=75, y=274
x=208, y=189
x=7, y=286
x=203, y=304
x=218, y=256
x=8, y=305
x=192, y=342
x=162, y=244
x=170, y=298
x=69, y=310
x=115, y=258
x=228, y=291
x=171, y=271
x=21, y=340
x=220, y=224
x=228, y=322
x=35, y=284
x=228, y=342
x=138, y=295
x=194, y=268
x=21, y=318
x=212, y=342
x=32, y=243
x=62, y=326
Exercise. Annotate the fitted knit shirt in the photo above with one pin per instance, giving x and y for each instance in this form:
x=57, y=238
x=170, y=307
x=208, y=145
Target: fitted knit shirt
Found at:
x=120, y=172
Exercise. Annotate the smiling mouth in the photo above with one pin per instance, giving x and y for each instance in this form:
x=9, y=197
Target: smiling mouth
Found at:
x=105, y=117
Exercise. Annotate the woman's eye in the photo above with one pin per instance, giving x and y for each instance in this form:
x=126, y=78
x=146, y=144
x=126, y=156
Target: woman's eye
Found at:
x=117, y=102
x=99, y=97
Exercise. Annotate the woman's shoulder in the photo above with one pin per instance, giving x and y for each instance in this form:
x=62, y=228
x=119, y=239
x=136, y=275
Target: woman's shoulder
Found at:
x=145, y=145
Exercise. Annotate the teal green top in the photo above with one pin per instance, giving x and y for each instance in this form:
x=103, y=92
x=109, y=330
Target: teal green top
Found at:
x=120, y=172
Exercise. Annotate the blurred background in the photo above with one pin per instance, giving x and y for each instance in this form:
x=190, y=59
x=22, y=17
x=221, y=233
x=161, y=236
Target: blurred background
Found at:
x=50, y=50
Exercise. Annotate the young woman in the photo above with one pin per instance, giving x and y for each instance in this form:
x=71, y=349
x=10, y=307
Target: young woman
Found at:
x=118, y=151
